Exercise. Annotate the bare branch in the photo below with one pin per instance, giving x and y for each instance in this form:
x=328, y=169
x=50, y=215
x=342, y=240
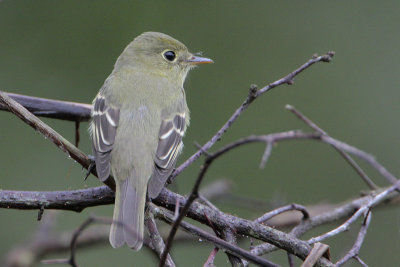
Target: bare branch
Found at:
x=280, y=210
x=291, y=135
x=77, y=200
x=69, y=149
x=225, y=225
x=168, y=217
x=352, y=163
x=193, y=195
x=52, y=108
x=361, y=261
x=155, y=236
x=213, y=254
x=77, y=134
x=363, y=210
x=230, y=237
x=290, y=260
x=316, y=253
x=266, y=155
x=74, y=200
x=243, y=227
x=283, y=136
x=354, y=251
x=210, y=158
x=363, y=155
x=211, y=258
x=253, y=94
x=341, y=212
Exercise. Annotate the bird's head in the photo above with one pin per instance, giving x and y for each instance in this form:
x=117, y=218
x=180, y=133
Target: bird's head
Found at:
x=161, y=54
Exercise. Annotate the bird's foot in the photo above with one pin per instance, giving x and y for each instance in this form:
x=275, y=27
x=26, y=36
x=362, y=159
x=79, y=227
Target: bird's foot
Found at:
x=91, y=166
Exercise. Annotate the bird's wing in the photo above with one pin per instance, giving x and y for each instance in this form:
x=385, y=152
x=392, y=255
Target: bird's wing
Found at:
x=169, y=147
x=104, y=126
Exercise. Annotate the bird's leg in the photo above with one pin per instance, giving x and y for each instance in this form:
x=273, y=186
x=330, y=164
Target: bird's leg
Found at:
x=91, y=166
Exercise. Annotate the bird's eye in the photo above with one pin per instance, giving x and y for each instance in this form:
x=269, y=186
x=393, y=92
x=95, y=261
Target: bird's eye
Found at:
x=169, y=55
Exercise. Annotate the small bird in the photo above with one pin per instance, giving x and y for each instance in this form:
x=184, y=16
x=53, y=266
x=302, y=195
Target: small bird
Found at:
x=139, y=118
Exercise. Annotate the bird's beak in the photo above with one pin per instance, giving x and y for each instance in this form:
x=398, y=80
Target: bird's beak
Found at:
x=195, y=60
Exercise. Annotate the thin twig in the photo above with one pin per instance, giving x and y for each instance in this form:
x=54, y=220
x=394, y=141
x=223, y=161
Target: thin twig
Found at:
x=69, y=149
x=155, y=236
x=266, y=155
x=210, y=260
x=262, y=138
x=283, y=136
x=363, y=210
x=253, y=94
x=290, y=260
x=229, y=235
x=355, y=250
x=168, y=199
x=361, y=154
x=352, y=163
x=242, y=226
x=280, y=210
x=193, y=195
x=360, y=261
x=222, y=244
x=291, y=135
x=77, y=135
x=341, y=212
x=75, y=236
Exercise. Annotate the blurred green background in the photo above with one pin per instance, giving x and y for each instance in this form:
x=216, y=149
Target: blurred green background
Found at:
x=65, y=50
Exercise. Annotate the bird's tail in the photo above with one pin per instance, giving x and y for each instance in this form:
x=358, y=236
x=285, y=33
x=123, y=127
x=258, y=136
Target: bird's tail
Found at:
x=128, y=219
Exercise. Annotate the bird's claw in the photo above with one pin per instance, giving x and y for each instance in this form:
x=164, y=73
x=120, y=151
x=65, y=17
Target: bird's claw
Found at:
x=91, y=166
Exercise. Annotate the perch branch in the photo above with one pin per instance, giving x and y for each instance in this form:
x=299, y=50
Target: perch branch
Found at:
x=74, y=200
x=197, y=211
x=246, y=228
x=50, y=108
x=69, y=149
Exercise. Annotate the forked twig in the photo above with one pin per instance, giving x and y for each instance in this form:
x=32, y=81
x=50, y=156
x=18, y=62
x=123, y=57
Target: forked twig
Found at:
x=355, y=250
x=254, y=93
x=352, y=163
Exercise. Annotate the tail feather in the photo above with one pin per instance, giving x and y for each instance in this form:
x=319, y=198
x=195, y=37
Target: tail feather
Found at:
x=128, y=219
x=116, y=232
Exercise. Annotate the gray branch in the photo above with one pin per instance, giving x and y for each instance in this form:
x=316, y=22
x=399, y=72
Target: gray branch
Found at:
x=52, y=108
x=77, y=200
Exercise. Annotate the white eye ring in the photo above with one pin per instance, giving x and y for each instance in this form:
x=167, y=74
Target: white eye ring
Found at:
x=169, y=55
